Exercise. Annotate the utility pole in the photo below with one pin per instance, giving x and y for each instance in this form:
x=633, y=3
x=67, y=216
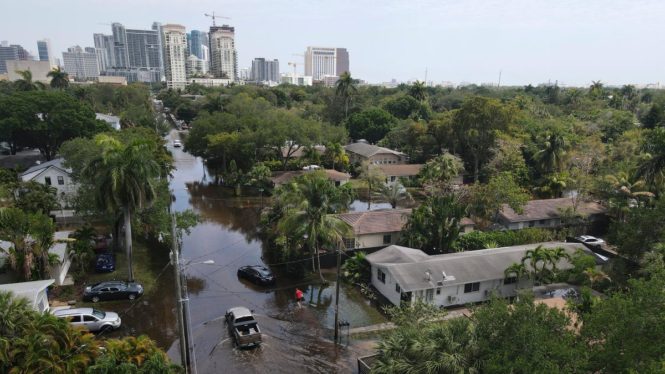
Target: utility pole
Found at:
x=175, y=261
x=337, y=281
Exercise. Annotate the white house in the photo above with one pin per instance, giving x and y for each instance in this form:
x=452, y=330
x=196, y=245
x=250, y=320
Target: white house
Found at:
x=113, y=121
x=405, y=274
x=52, y=173
x=34, y=292
x=375, y=228
x=57, y=271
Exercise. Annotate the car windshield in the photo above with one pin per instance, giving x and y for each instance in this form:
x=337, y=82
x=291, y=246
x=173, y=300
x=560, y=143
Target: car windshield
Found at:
x=263, y=271
x=98, y=313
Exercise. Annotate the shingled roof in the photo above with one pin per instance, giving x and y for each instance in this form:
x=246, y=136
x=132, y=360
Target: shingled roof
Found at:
x=549, y=208
x=407, y=170
x=368, y=150
x=376, y=221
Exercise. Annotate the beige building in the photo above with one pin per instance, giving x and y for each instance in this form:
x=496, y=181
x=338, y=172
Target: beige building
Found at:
x=175, y=51
x=223, y=54
x=375, y=228
x=360, y=152
x=39, y=70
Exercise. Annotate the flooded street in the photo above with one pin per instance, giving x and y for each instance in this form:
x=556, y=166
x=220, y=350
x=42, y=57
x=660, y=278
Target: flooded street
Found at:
x=295, y=340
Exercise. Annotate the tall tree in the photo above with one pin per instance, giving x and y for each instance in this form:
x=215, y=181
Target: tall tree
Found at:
x=418, y=91
x=25, y=83
x=373, y=178
x=395, y=193
x=344, y=89
x=551, y=156
x=476, y=125
x=439, y=172
x=434, y=226
x=59, y=78
x=652, y=166
x=124, y=178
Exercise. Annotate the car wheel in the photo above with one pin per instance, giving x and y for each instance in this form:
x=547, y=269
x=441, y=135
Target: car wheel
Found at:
x=95, y=299
x=106, y=328
x=132, y=296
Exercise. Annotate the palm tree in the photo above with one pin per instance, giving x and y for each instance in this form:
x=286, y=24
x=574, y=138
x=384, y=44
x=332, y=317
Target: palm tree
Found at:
x=395, y=193
x=41, y=231
x=441, y=170
x=538, y=259
x=308, y=208
x=652, y=167
x=373, y=178
x=26, y=83
x=125, y=177
x=345, y=87
x=517, y=270
x=596, y=89
x=59, y=78
x=336, y=155
x=626, y=193
x=550, y=157
x=418, y=91
x=555, y=255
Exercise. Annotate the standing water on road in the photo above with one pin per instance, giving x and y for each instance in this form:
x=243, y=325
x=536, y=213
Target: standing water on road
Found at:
x=295, y=339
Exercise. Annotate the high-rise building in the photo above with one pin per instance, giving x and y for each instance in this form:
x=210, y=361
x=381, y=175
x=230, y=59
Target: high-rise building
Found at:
x=11, y=52
x=196, y=40
x=321, y=62
x=132, y=53
x=45, y=52
x=175, y=52
x=223, y=55
x=196, y=67
x=244, y=73
x=264, y=70
x=81, y=64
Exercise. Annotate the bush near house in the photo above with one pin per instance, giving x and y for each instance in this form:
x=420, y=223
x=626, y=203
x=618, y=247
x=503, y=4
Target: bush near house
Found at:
x=488, y=239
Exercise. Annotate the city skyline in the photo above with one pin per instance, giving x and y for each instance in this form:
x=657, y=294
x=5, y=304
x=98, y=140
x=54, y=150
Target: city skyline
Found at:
x=616, y=42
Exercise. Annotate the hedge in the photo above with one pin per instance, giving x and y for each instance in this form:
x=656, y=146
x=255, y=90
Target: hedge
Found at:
x=484, y=239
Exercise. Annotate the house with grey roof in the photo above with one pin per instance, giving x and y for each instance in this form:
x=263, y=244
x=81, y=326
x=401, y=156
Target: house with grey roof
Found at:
x=360, y=152
x=547, y=213
x=375, y=228
x=113, y=121
x=34, y=292
x=404, y=274
x=53, y=173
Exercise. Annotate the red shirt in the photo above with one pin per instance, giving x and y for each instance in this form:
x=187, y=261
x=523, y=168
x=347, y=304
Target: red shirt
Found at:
x=298, y=294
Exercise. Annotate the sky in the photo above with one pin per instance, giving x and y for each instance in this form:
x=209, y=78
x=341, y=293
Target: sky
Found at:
x=572, y=42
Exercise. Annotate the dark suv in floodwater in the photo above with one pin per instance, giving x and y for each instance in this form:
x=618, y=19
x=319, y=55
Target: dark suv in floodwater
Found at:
x=258, y=274
x=112, y=290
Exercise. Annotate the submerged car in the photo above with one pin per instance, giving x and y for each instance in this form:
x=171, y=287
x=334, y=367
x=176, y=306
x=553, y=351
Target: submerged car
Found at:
x=90, y=318
x=177, y=143
x=112, y=290
x=105, y=263
x=258, y=274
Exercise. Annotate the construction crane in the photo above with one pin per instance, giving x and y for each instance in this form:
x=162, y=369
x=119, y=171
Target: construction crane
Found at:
x=213, y=16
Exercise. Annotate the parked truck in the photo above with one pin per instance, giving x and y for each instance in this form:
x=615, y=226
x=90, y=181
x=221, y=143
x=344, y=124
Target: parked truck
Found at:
x=243, y=327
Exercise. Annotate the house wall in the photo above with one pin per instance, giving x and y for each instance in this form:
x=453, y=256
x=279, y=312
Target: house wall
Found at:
x=59, y=271
x=376, y=240
x=69, y=188
x=544, y=223
x=386, y=158
x=466, y=229
x=449, y=295
x=41, y=304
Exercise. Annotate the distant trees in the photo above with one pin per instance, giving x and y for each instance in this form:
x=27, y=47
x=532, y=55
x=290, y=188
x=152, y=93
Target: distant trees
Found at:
x=371, y=124
x=59, y=78
x=345, y=87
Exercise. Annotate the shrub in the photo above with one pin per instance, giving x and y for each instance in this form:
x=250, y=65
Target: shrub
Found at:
x=481, y=239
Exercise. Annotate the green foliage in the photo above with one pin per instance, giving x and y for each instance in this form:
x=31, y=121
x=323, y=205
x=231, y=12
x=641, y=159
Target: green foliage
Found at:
x=371, y=124
x=479, y=239
x=356, y=269
x=29, y=258
x=641, y=229
x=406, y=106
x=486, y=200
x=33, y=197
x=434, y=226
x=440, y=171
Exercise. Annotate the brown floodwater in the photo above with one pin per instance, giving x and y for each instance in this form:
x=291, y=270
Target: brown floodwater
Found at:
x=296, y=340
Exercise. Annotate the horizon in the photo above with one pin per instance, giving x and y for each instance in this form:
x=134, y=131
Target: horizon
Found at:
x=526, y=42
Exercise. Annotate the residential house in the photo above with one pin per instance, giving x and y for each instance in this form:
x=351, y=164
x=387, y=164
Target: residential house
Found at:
x=405, y=274
x=53, y=173
x=300, y=152
x=113, y=121
x=394, y=172
x=547, y=213
x=282, y=177
x=360, y=152
x=467, y=225
x=375, y=228
x=34, y=292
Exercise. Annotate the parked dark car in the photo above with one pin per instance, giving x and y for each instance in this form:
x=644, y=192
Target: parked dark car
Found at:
x=112, y=290
x=105, y=263
x=257, y=274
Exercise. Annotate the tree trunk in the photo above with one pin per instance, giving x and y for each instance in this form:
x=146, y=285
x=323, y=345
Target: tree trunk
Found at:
x=475, y=169
x=116, y=234
x=369, y=196
x=318, y=264
x=128, y=242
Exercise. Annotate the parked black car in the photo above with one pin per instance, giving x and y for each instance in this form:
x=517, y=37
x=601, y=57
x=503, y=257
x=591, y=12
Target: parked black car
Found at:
x=105, y=263
x=112, y=290
x=257, y=274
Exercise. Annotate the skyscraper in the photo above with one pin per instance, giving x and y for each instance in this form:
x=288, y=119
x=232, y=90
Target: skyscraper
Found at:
x=104, y=50
x=44, y=50
x=223, y=55
x=81, y=64
x=11, y=52
x=322, y=61
x=175, y=52
x=196, y=40
x=264, y=70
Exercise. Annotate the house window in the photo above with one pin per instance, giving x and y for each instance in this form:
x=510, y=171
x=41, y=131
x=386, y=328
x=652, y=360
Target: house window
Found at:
x=393, y=178
x=510, y=280
x=438, y=291
x=472, y=287
x=429, y=295
x=61, y=180
x=531, y=224
x=541, y=222
x=349, y=243
x=398, y=289
x=380, y=275
x=387, y=239
x=47, y=180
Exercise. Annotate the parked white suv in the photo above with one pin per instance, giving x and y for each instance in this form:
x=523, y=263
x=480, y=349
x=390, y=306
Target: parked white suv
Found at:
x=592, y=240
x=90, y=318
